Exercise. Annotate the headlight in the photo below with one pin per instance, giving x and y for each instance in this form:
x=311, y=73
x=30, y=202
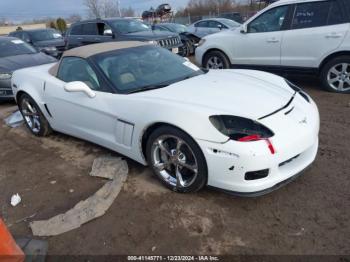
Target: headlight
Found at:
x=152, y=42
x=201, y=42
x=5, y=76
x=298, y=90
x=240, y=129
x=48, y=49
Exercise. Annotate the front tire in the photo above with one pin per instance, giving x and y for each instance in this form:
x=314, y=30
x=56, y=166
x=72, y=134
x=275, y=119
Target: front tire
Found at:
x=176, y=160
x=216, y=60
x=335, y=75
x=33, y=117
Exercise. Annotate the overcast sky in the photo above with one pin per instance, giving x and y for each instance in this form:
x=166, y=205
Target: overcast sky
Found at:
x=21, y=10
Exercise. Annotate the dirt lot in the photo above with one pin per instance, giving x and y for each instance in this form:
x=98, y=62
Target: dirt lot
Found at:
x=308, y=216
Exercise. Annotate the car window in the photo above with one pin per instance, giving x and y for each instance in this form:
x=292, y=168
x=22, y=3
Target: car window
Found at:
x=77, y=30
x=25, y=37
x=311, y=14
x=104, y=29
x=335, y=15
x=78, y=69
x=45, y=35
x=202, y=24
x=347, y=7
x=128, y=26
x=215, y=24
x=270, y=21
x=160, y=28
x=90, y=29
x=15, y=47
x=138, y=67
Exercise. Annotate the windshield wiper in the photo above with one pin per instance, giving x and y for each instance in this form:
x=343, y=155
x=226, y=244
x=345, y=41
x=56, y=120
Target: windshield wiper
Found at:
x=147, y=88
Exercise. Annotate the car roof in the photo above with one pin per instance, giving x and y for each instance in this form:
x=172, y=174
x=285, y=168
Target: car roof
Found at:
x=34, y=30
x=94, y=49
x=103, y=20
x=283, y=2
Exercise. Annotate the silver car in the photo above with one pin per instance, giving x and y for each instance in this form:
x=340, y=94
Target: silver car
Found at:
x=210, y=26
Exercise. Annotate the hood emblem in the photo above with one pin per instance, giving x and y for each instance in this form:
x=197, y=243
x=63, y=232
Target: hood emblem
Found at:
x=304, y=121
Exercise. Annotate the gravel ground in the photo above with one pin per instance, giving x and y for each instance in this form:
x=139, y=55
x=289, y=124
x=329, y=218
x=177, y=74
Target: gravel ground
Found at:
x=308, y=216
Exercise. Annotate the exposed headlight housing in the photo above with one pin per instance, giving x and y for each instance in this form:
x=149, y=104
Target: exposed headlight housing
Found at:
x=201, y=42
x=5, y=76
x=48, y=48
x=298, y=90
x=152, y=42
x=237, y=128
x=242, y=129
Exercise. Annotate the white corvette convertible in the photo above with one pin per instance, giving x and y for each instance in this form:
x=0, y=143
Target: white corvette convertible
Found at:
x=246, y=132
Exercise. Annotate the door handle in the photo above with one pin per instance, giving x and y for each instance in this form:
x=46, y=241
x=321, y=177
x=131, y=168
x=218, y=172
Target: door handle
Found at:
x=334, y=35
x=80, y=38
x=97, y=39
x=272, y=40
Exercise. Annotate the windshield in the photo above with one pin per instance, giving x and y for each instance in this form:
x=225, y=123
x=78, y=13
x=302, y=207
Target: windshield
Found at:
x=45, y=35
x=15, y=47
x=127, y=26
x=145, y=67
x=230, y=23
x=177, y=28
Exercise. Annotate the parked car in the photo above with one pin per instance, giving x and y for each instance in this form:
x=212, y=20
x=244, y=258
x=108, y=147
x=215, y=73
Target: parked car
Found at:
x=302, y=36
x=210, y=26
x=119, y=29
x=16, y=54
x=188, y=40
x=233, y=129
x=49, y=41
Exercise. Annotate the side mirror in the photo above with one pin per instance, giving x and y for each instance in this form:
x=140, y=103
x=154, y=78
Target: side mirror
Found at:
x=78, y=86
x=244, y=29
x=220, y=27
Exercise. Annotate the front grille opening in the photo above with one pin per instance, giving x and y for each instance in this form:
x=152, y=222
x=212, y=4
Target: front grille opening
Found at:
x=256, y=174
x=288, y=161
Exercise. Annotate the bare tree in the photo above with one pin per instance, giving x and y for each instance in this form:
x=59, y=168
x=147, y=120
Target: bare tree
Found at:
x=128, y=12
x=74, y=18
x=102, y=8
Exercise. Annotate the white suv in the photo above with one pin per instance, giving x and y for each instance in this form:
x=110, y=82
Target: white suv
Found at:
x=299, y=36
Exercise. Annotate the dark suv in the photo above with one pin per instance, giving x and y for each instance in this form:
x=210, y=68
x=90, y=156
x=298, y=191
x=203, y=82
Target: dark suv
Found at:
x=119, y=29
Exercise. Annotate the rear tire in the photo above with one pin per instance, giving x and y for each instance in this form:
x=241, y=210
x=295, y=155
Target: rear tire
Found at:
x=33, y=117
x=216, y=60
x=176, y=160
x=335, y=75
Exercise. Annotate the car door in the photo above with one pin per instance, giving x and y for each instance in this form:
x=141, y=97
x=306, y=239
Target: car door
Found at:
x=75, y=36
x=317, y=29
x=75, y=113
x=261, y=43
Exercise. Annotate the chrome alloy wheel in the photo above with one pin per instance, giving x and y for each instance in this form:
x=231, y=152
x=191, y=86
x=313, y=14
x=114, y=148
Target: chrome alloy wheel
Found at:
x=215, y=62
x=174, y=161
x=338, y=77
x=31, y=115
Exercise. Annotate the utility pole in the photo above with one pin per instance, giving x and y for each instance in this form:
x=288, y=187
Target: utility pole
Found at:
x=120, y=13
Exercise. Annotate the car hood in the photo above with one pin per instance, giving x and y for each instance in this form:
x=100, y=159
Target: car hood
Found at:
x=12, y=63
x=49, y=43
x=150, y=35
x=246, y=93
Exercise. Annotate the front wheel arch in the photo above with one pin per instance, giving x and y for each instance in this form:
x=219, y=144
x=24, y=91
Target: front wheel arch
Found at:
x=147, y=133
x=215, y=50
x=170, y=130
